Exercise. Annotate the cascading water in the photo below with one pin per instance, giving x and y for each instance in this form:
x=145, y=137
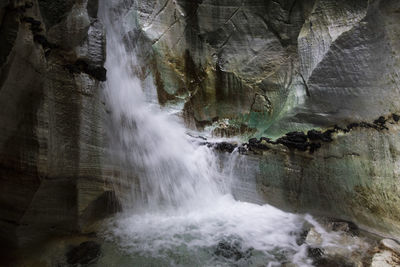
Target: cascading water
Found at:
x=179, y=212
x=171, y=171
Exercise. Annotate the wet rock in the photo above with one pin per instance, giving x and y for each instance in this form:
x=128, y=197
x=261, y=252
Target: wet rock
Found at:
x=253, y=141
x=315, y=253
x=44, y=98
x=92, y=8
x=381, y=120
x=97, y=72
x=352, y=125
x=302, y=237
x=344, y=226
x=313, y=238
x=242, y=150
x=261, y=144
x=31, y=20
x=232, y=250
x=390, y=245
x=42, y=40
x=201, y=137
x=318, y=135
x=333, y=262
x=314, y=147
x=378, y=124
x=314, y=134
x=298, y=137
x=385, y=258
x=265, y=139
x=290, y=143
x=86, y=253
x=225, y=147
x=294, y=140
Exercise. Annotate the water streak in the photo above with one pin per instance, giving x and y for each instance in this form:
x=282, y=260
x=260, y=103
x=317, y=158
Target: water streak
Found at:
x=170, y=170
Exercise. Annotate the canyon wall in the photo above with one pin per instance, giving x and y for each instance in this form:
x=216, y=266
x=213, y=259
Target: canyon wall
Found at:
x=249, y=67
x=52, y=141
x=267, y=68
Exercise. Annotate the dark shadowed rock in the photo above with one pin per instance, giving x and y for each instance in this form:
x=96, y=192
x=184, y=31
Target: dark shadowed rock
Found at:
x=225, y=147
x=345, y=226
x=333, y=262
x=315, y=253
x=318, y=135
x=232, y=250
x=97, y=72
x=86, y=253
x=298, y=137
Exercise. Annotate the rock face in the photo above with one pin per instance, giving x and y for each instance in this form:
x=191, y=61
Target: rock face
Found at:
x=354, y=177
x=387, y=254
x=273, y=66
x=286, y=66
x=51, y=136
x=262, y=67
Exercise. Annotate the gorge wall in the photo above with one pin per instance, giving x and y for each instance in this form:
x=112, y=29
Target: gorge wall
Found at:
x=52, y=138
x=266, y=68
x=250, y=67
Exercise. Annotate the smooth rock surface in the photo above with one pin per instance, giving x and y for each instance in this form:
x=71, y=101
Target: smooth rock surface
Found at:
x=52, y=139
x=258, y=67
x=273, y=66
x=353, y=178
x=385, y=258
x=390, y=245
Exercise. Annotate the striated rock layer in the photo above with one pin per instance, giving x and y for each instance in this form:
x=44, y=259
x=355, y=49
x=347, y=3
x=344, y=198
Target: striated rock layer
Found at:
x=354, y=176
x=273, y=67
x=261, y=67
x=52, y=170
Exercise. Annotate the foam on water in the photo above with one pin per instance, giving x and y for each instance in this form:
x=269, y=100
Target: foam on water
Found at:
x=179, y=210
x=265, y=230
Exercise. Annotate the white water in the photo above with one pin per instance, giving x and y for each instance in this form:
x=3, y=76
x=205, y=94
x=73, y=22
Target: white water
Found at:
x=179, y=206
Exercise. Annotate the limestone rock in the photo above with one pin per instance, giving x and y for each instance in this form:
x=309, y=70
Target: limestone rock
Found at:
x=385, y=258
x=52, y=145
x=274, y=66
x=226, y=59
x=353, y=178
x=313, y=238
x=390, y=245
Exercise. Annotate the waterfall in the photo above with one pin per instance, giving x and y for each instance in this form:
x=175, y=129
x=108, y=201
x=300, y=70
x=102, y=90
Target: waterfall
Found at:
x=170, y=170
x=179, y=210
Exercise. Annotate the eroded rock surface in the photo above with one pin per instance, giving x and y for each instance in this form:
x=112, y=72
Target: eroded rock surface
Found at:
x=286, y=69
x=51, y=135
x=273, y=66
x=353, y=177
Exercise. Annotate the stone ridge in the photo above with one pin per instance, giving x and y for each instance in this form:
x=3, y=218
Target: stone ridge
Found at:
x=299, y=140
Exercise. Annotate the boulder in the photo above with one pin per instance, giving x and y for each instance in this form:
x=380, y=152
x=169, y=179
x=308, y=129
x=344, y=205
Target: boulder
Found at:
x=86, y=253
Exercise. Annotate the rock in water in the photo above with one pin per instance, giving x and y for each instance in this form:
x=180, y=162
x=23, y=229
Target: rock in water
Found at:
x=232, y=251
x=87, y=252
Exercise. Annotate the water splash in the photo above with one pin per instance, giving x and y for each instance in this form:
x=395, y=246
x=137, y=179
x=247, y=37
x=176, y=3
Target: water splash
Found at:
x=170, y=171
